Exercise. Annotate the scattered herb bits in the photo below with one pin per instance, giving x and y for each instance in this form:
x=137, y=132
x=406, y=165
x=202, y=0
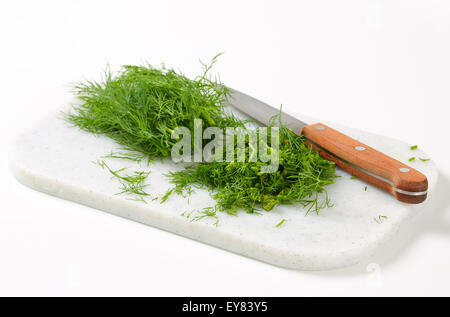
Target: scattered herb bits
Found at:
x=411, y=159
x=132, y=184
x=280, y=223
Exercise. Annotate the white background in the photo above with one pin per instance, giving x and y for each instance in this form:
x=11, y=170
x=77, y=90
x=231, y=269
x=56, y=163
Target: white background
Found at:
x=383, y=66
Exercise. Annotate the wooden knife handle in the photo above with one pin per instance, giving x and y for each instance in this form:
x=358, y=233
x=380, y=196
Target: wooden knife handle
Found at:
x=404, y=182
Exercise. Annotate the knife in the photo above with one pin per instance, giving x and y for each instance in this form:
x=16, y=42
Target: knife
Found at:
x=404, y=182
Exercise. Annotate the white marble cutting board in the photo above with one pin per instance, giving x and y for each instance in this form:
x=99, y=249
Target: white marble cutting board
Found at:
x=57, y=159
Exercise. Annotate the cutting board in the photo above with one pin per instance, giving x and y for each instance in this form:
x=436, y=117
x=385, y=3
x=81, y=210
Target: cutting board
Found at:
x=57, y=159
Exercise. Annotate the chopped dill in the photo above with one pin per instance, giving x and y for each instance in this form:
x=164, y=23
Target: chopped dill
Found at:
x=414, y=147
x=128, y=155
x=301, y=176
x=187, y=214
x=423, y=160
x=132, y=184
x=135, y=178
x=280, y=223
x=134, y=188
x=166, y=195
x=365, y=188
x=207, y=212
x=411, y=159
x=353, y=177
x=140, y=106
x=380, y=219
x=137, y=199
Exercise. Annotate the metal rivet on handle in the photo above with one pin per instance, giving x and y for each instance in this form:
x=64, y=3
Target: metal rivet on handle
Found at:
x=404, y=169
x=359, y=148
x=320, y=127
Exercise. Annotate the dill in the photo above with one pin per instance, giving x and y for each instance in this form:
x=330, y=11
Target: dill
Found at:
x=280, y=223
x=127, y=155
x=300, y=178
x=365, y=188
x=135, y=178
x=140, y=106
x=411, y=159
x=187, y=214
x=423, y=160
x=207, y=212
x=414, y=147
x=140, y=199
x=380, y=219
x=353, y=177
x=132, y=184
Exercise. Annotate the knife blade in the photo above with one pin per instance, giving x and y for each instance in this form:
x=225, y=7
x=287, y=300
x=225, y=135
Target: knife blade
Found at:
x=402, y=181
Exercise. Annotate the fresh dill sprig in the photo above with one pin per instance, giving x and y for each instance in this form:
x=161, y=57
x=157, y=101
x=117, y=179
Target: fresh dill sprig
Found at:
x=423, y=160
x=413, y=147
x=411, y=159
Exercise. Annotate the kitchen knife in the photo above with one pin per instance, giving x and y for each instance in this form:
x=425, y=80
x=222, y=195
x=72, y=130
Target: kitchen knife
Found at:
x=404, y=182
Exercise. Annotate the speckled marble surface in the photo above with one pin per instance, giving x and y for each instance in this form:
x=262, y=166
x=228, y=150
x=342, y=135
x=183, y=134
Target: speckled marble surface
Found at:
x=57, y=159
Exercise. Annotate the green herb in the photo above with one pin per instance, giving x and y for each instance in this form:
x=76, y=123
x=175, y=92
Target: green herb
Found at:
x=365, y=188
x=353, y=177
x=411, y=159
x=135, y=178
x=424, y=160
x=281, y=222
x=301, y=176
x=140, y=199
x=207, y=212
x=131, y=183
x=127, y=155
x=140, y=106
x=380, y=219
x=414, y=147
x=187, y=214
